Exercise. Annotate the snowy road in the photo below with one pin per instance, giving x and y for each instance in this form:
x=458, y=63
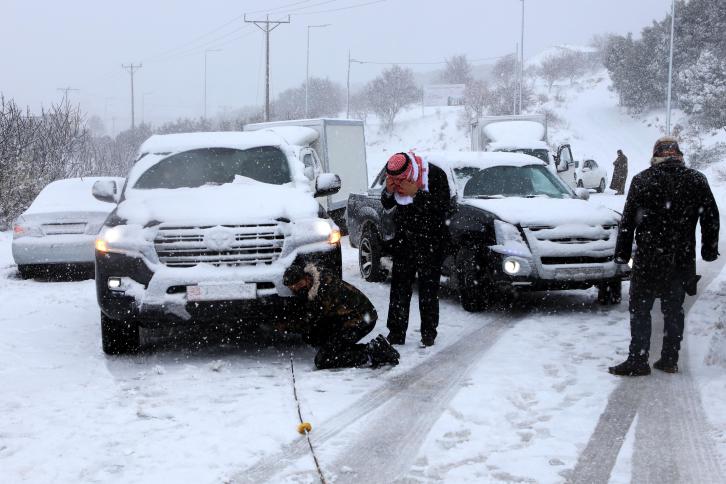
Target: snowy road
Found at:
x=502, y=397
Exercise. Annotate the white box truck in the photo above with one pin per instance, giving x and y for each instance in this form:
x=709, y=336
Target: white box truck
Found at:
x=339, y=148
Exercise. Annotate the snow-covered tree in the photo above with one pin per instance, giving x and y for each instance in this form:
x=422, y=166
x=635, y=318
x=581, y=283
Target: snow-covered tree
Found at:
x=325, y=98
x=703, y=90
x=458, y=70
x=477, y=97
x=392, y=91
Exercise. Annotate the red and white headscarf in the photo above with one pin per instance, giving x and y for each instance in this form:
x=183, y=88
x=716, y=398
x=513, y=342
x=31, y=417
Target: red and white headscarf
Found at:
x=408, y=166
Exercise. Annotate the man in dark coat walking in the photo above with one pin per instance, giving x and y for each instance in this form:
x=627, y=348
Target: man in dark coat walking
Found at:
x=334, y=317
x=663, y=206
x=419, y=193
x=620, y=173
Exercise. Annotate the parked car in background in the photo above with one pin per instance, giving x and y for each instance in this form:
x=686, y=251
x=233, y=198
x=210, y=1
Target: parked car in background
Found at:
x=517, y=226
x=58, y=230
x=590, y=175
x=204, y=230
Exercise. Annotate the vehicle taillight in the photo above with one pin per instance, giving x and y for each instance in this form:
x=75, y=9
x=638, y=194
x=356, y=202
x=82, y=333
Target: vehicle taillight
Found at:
x=18, y=230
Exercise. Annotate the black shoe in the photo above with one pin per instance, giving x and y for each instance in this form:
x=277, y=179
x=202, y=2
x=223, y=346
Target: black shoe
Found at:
x=396, y=338
x=631, y=367
x=426, y=342
x=381, y=352
x=666, y=364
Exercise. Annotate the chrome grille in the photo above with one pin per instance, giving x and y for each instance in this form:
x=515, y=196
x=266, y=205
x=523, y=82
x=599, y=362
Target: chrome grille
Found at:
x=226, y=245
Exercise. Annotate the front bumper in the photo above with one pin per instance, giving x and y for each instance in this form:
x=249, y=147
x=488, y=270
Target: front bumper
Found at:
x=155, y=295
x=54, y=249
x=534, y=275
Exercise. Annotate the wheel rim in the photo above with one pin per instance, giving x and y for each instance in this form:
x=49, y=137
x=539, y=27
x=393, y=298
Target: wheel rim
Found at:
x=580, y=184
x=365, y=258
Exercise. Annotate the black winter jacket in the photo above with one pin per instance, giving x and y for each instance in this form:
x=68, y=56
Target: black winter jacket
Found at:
x=426, y=217
x=662, y=208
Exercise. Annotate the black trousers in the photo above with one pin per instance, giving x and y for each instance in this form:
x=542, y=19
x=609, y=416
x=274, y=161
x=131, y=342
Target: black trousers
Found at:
x=412, y=256
x=337, y=342
x=642, y=296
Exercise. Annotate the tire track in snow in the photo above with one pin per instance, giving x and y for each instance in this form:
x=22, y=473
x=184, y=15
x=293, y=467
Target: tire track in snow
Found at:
x=672, y=442
x=414, y=399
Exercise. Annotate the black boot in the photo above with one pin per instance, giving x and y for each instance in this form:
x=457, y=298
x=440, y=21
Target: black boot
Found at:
x=633, y=366
x=668, y=362
x=396, y=338
x=381, y=352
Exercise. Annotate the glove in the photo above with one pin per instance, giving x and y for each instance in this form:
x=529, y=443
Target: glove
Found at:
x=709, y=254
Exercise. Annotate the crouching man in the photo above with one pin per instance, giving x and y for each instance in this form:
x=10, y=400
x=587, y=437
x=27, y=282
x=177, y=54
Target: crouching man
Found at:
x=334, y=317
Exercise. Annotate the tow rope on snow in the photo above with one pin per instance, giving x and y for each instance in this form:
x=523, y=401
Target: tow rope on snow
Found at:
x=304, y=427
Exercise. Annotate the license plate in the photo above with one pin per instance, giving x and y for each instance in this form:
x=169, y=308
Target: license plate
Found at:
x=579, y=272
x=222, y=291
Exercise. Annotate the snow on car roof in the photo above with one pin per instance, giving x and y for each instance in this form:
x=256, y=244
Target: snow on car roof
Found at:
x=485, y=159
x=294, y=135
x=515, y=144
x=513, y=131
x=175, y=143
x=71, y=195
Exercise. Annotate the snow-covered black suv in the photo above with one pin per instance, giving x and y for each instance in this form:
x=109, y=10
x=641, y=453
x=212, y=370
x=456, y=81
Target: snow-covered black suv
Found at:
x=205, y=226
x=516, y=226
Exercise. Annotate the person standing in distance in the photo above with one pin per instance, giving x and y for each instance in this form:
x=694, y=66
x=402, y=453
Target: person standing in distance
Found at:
x=620, y=173
x=419, y=192
x=661, y=211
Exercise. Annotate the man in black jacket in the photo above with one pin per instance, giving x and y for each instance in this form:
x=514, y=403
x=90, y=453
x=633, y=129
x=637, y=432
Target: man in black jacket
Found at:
x=419, y=193
x=334, y=317
x=661, y=211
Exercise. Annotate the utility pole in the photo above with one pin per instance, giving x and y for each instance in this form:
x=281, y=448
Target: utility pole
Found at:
x=521, y=65
x=347, y=109
x=307, y=66
x=267, y=26
x=66, y=90
x=670, y=69
x=131, y=68
x=205, y=78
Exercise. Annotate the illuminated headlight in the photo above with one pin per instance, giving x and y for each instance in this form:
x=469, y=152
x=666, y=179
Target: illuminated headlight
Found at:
x=511, y=266
x=325, y=230
x=334, y=237
x=121, y=238
x=114, y=283
x=630, y=263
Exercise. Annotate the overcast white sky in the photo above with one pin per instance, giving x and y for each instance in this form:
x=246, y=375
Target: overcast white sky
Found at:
x=82, y=44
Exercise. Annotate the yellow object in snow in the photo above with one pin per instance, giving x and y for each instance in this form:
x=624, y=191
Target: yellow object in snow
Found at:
x=304, y=427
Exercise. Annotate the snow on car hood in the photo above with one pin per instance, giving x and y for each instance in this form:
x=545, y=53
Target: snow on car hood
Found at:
x=231, y=203
x=546, y=211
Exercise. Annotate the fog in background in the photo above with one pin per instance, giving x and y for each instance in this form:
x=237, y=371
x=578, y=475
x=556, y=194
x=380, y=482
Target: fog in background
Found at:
x=81, y=44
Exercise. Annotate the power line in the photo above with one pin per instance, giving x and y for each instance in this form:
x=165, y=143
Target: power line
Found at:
x=66, y=90
x=357, y=5
x=195, y=39
x=269, y=26
x=281, y=7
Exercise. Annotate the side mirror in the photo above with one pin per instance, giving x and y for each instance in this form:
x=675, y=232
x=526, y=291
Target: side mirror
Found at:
x=582, y=193
x=327, y=184
x=106, y=191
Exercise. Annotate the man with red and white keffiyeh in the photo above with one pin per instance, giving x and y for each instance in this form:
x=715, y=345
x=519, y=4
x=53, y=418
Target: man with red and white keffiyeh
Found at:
x=419, y=193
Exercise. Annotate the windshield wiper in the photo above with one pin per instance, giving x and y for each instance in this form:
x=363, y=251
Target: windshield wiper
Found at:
x=487, y=197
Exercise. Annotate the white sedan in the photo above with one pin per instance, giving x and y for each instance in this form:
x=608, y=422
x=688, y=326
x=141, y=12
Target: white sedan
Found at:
x=59, y=228
x=588, y=174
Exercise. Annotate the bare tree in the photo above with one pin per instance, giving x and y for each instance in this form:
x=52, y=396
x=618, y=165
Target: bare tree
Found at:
x=458, y=70
x=476, y=98
x=389, y=93
x=553, y=69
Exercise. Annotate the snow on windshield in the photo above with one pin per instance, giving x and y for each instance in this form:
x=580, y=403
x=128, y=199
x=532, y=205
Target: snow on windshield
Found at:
x=510, y=181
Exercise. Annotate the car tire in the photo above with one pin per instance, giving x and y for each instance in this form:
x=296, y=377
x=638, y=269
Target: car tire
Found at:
x=26, y=272
x=601, y=187
x=370, y=251
x=475, y=291
x=119, y=337
x=610, y=293
x=580, y=184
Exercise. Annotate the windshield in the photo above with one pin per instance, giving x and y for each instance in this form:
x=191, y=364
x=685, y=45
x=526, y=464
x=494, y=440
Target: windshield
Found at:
x=511, y=181
x=216, y=166
x=542, y=154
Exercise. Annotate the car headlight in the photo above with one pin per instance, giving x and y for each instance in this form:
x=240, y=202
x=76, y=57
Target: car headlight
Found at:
x=123, y=239
x=509, y=240
x=511, y=266
x=317, y=231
